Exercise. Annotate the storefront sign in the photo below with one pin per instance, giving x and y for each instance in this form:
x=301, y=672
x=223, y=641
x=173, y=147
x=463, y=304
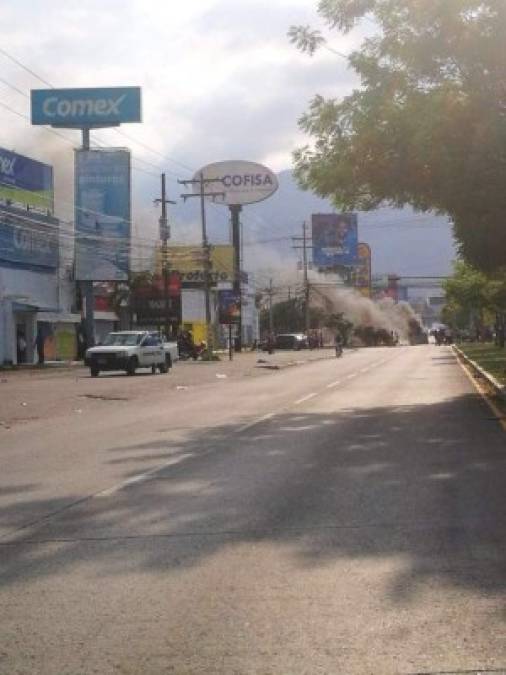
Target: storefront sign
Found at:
x=25, y=181
x=28, y=238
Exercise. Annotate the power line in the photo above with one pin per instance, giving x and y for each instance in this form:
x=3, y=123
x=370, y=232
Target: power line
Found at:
x=120, y=132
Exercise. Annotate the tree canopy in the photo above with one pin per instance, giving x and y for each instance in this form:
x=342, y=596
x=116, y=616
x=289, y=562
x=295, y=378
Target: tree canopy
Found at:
x=427, y=126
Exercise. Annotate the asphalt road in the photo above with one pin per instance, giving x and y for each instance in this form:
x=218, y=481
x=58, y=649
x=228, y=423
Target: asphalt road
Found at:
x=344, y=516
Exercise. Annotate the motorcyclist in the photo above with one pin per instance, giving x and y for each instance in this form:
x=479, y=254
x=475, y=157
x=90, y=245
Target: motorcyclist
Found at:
x=338, y=343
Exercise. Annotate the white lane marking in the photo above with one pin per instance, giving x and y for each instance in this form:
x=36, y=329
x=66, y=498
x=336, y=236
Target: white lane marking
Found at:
x=252, y=424
x=366, y=370
x=334, y=384
x=306, y=398
x=350, y=377
x=142, y=476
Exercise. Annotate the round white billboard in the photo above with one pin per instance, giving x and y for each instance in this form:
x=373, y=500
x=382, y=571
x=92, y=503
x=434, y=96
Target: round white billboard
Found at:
x=240, y=182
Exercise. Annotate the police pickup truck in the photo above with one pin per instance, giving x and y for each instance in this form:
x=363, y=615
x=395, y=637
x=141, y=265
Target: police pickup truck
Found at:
x=130, y=350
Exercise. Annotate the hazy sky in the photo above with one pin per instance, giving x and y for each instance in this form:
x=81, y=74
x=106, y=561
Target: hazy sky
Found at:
x=219, y=78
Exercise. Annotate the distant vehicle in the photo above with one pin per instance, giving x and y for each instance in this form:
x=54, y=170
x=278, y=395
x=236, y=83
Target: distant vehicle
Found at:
x=294, y=341
x=130, y=350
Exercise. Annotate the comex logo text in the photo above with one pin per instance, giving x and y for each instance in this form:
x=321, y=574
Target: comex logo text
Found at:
x=103, y=107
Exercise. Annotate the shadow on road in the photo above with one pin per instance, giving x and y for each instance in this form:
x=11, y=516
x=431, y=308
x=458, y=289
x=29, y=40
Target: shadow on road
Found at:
x=421, y=484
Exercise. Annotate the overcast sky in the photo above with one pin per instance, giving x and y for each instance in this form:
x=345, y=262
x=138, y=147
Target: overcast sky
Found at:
x=219, y=78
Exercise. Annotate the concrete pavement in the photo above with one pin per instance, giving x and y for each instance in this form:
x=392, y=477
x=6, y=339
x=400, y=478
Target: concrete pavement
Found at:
x=341, y=517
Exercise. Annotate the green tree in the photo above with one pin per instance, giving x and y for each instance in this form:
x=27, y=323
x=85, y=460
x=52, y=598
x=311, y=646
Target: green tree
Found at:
x=467, y=298
x=427, y=126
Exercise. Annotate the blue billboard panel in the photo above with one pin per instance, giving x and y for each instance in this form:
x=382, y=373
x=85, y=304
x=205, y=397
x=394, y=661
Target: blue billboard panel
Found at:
x=86, y=107
x=102, y=195
x=229, y=307
x=335, y=240
x=28, y=239
x=25, y=181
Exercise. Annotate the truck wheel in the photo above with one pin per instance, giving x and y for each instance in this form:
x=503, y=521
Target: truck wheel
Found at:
x=132, y=366
x=153, y=370
x=164, y=367
x=94, y=371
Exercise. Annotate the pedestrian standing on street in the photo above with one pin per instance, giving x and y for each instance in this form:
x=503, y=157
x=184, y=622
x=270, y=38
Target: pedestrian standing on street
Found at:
x=21, y=348
x=39, y=343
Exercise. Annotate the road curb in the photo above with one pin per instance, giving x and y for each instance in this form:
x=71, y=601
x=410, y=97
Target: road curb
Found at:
x=499, y=388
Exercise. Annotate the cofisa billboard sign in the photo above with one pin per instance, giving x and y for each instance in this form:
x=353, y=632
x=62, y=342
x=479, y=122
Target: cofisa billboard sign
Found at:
x=25, y=181
x=102, y=214
x=335, y=240
x=86, y=107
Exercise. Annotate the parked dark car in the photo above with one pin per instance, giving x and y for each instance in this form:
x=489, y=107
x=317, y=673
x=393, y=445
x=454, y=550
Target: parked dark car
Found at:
x=291, y=341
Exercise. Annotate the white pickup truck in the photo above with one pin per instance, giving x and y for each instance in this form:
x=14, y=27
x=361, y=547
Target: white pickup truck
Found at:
x=130, y=350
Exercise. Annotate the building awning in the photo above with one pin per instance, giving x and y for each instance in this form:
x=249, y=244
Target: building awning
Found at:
x=24, y=307
x=58, y=317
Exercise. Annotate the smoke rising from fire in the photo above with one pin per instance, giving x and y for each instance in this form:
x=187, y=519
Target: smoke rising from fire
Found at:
x=384, y=314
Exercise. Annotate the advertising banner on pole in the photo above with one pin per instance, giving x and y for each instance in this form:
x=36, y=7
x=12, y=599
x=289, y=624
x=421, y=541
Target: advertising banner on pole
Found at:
x=102, y=196
x=28, y=238
x=229, y=307
x=26, y=181
x=335, y=240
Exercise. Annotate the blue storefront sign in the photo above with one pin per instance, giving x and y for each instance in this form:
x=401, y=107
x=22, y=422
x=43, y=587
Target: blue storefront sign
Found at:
x=28, y=239
x=25, y=181
x=335, y=240
x=86, y=107
x=102, y=194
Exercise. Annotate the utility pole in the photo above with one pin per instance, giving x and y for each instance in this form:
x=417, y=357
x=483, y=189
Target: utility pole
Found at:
x=270, y=293
x=87, y=293
x=202, y=194
x=235, y=211
x=164, y=236
x=307, y=290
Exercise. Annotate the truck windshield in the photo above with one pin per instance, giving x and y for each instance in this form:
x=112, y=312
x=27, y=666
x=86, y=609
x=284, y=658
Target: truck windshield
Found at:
x=127, y=339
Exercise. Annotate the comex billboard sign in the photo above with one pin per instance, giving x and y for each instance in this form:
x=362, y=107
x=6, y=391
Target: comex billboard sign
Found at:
x=25, y=181
x=242, y=182
x=78, y=108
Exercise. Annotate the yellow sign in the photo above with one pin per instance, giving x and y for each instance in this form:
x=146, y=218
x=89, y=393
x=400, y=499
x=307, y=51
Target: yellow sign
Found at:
x=188, y=262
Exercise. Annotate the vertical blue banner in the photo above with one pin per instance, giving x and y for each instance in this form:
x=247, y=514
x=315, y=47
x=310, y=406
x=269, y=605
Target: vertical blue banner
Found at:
x=102, y=197
x=335, y=239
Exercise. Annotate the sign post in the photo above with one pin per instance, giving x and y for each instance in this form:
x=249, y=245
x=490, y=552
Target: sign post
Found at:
x=242, y=183
x=87, y=109
x=229, y=310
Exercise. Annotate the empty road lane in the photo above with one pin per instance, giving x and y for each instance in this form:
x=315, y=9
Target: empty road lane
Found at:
x=345, y=516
